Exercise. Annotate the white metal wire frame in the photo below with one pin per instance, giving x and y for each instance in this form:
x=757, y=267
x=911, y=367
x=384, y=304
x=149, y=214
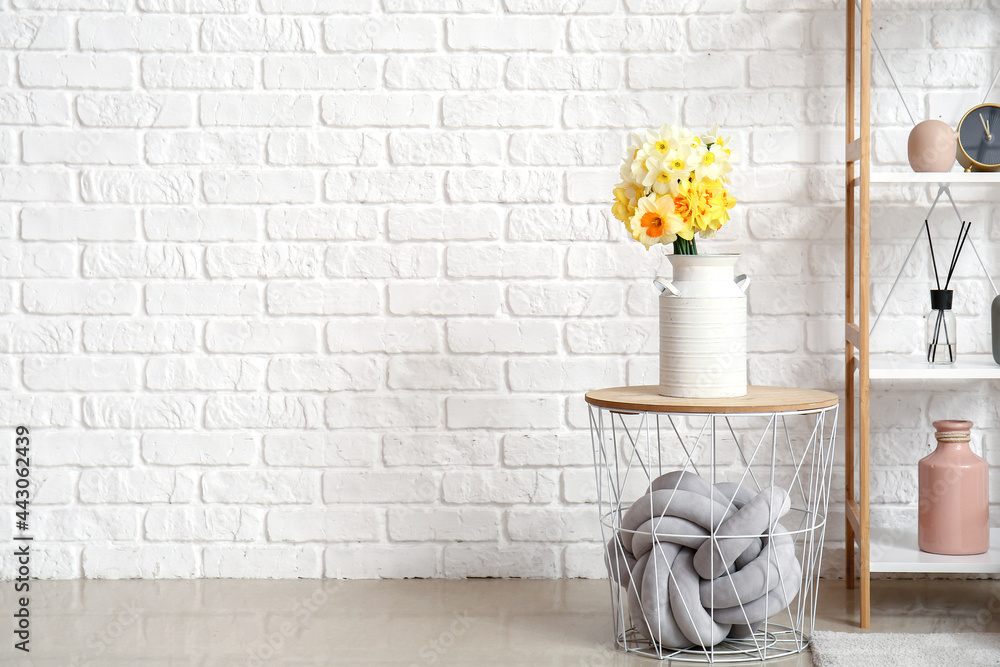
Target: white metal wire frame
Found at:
x=630, y=445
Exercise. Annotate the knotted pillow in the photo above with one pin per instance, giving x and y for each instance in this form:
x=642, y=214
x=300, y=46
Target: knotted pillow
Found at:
x=688, y=588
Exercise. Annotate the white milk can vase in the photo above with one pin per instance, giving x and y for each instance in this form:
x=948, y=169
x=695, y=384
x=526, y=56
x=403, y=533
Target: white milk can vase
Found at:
x=703, y=328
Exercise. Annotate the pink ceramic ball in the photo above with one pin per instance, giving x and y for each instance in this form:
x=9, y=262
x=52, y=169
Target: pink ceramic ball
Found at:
x=932, y=146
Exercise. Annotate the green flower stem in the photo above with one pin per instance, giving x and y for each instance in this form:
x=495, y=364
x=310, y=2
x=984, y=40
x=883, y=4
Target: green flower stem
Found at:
x=682, y=247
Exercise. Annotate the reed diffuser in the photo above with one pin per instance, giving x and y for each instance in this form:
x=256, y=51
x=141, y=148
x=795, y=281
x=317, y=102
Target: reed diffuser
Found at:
x=941, y=328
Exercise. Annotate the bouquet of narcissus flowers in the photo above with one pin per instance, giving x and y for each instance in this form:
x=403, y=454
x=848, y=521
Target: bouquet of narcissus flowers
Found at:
x=674, y=185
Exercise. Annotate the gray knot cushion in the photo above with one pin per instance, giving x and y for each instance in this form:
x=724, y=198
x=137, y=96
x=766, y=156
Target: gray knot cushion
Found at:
x=686, y=587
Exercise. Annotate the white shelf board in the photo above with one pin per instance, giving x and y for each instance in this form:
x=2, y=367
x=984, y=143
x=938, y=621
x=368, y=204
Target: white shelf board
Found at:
x=896, y=551
x=945, y=178
x=914, y=367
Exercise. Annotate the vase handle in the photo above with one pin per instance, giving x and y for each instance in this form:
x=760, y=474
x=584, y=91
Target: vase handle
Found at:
x=743, y=282
x=666, y=286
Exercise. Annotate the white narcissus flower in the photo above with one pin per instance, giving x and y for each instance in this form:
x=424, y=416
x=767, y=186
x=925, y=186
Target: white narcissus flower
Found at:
x=711, y=163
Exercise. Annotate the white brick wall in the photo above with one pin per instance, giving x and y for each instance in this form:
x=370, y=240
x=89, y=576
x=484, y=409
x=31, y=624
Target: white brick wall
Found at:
x=314, y=287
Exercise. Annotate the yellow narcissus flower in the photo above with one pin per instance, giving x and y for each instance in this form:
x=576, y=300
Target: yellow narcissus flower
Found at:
x=626, y=198
x=655, y=221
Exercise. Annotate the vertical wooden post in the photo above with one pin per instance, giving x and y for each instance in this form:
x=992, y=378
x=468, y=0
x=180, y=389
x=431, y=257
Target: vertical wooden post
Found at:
x=864, y=307
x=850, y=574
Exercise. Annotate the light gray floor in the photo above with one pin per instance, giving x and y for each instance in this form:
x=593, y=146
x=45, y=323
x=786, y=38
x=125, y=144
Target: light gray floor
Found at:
x=432, y=622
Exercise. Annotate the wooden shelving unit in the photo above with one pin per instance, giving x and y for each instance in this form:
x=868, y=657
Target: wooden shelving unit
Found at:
x=883, y=549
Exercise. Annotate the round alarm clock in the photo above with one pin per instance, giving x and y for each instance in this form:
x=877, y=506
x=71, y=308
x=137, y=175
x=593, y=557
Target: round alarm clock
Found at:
x=979, y=139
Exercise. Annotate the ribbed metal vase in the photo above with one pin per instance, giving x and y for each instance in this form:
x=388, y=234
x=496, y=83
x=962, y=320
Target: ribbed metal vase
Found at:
x=703, y=328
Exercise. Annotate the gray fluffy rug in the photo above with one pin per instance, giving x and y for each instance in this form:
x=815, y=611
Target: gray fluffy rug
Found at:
x=849, y=649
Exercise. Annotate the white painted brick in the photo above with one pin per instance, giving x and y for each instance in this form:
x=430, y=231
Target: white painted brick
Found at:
x=134, y=110
x=138, y=411
x=49, y=70
x=323, y=450
x=200, y=374
x=321, y=72
x=444, y=524
x=34, y=32
x=134, y=33
x=503, y=412
x=433, y=372
x=558, y=148
x=56, y=411
x=151, y=261
x=380, y=186
x=139, y=336
x=412, y=298
x=136, y=486
x=257, y=337
x=53, y=297
x=503, y=486
x=450, y=148
x=89, y=448
x=548, y=449
x=746, y=108
x=439, y=224
x=487, y=560
x=354, y=373
x=491, y=110
x=440, y=449
x=316, y=6
x=37, y=260
x=195, y=6
x=194, y=72
x=410, y=33
x=35, y=108
x=195, y=224
x=92, y=523
x=613, y=336
x=577, y=375
x=259, y=486
x=378, y=109
x=351, y=261
x=347, y=410
x=553, y=525
x=133, y=186
x=263, y=411
x=259, y=187
x=561, y=6
x=256, y=261
x=584, y=561
x=483, y=261
x=49, y=223
x=198, y=148
x=205, y=449
x=449, y=6
x=380, y=486
x=702, y=70
x=80, y=374
x=783, y=30
x=625, y=34
x=326, y=525
x=202, y=299
x=563, y=73
x=502, y=336
x=344, y=298
x=503, y=33
x=502, y=185
x=389, y=335
x=443, y=72
x=17, y=184
x=554, y=299
x=392, y=561
x=257, y=34
x=263, y=562
x=196, y=524
x=333, y=148
x=558, y=223
x=322, y=224
x=617, y=110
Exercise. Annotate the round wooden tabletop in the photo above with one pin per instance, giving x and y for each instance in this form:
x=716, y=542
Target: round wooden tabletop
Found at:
x=645, y=398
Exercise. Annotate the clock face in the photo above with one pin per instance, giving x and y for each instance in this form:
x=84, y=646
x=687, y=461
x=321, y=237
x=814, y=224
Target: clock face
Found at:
x=979, y=134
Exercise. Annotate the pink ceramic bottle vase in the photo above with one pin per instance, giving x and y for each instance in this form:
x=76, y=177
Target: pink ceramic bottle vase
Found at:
x=954, y=494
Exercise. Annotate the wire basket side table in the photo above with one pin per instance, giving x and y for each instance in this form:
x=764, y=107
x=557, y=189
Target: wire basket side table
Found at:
x=772, y=438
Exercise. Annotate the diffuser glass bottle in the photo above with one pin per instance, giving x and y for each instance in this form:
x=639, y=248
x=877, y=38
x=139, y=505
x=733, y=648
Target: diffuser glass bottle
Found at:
x=941, y=328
